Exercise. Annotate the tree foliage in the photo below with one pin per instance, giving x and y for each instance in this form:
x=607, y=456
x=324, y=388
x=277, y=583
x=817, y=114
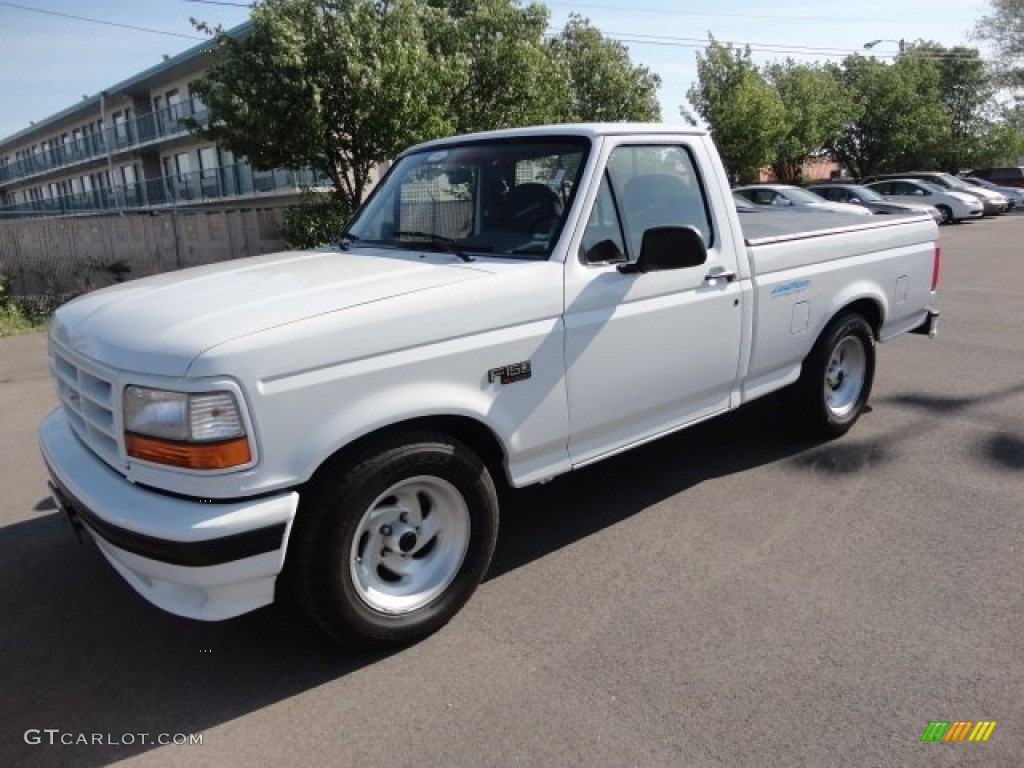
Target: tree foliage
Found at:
x=817, y=105
x=335, y=85
x=933, y=107
x=965, y=91
x=601, y=83
x=899, y=115
x=743, y=112
x=501, y=73
x=1003, y=27
x=343, y=85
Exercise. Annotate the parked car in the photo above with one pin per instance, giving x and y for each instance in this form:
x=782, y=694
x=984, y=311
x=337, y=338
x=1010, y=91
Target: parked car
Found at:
x=794, y=198
x=855, y=194
x=993, y=202
x=743, y=205
x=1006, y=176
x=329, y=424
x=1014, y=195
x=954, y=206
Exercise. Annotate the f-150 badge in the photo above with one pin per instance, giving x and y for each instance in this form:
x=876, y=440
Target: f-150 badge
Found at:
x=511, y=373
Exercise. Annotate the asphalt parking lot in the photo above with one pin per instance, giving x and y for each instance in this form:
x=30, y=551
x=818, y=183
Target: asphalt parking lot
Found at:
x=729, y=596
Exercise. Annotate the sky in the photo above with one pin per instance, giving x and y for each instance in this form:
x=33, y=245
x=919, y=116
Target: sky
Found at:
x=48, y=62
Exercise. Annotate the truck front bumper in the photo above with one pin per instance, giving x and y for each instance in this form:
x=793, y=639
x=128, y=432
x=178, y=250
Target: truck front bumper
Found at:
x=201, y=559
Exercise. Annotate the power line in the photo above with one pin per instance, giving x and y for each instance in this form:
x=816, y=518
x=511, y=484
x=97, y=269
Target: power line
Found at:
x=221, y=2
x=780, y=48
x=702, y=14
x=100, y=21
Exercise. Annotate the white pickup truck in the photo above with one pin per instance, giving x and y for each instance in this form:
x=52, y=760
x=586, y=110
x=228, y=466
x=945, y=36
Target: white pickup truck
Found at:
x=329, y=424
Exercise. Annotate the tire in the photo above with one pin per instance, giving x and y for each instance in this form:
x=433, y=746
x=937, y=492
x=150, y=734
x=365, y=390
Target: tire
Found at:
x=947, y=214
x=391, y=542
x=835, y=380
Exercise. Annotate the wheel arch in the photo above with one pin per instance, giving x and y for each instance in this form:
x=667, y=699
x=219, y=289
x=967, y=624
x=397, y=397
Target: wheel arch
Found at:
x=476, y=435
x=869, y=308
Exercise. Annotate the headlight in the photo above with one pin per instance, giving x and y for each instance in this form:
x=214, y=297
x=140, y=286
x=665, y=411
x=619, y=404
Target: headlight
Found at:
x=192, y=430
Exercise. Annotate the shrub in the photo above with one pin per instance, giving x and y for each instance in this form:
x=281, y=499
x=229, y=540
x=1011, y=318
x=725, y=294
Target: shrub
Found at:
x=316, y=220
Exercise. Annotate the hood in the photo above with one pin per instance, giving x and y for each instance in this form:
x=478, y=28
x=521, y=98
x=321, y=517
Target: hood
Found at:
x=159, y=324
x=982, y=193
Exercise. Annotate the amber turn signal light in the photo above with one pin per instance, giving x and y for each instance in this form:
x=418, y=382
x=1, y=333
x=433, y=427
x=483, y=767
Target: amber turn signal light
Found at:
x=219, y=455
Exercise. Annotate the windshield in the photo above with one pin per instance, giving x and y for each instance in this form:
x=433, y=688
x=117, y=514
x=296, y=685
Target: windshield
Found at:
x=952, y=181
x=867, y=195
x=503, y=197
x=798, y=195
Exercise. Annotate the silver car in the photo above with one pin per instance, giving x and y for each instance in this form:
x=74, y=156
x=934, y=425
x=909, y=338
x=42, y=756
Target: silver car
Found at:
x=993, y=203
x=789, y=197
x=855, y=194
x=954, y=206
x=1014, y=195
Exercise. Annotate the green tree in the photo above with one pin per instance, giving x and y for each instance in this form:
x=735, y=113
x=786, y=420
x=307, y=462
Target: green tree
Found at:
x=817, y=106
x=966, y=91
x=500, y=74
x=1003, y=27
x=336, y=85
x=899, y=119
x=343, y=85
x=743, y=112
x=603, y=85
x=1002, y=139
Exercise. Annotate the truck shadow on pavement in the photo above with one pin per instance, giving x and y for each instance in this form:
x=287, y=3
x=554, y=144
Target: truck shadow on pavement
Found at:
x=86, y=655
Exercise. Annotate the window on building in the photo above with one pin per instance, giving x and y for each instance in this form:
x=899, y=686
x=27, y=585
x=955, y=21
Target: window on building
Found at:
x=174, y=110
x=198, y=106
x=121, y=126
x=182, y=165
x=158, y=113
x=208, y=161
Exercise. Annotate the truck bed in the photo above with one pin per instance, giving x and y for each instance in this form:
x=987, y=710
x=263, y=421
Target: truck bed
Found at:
x=763, y=227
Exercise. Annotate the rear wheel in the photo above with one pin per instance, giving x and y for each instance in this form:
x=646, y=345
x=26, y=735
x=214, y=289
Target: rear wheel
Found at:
x=390, y=544
x=835, y=380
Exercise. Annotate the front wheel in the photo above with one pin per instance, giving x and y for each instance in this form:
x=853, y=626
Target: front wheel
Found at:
x=835, y=380
x=391, y=543
x=947, y=214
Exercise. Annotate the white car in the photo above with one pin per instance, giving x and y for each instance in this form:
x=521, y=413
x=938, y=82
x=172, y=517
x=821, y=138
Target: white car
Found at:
x=794, y=198
x=954, y=206
x=992, y=202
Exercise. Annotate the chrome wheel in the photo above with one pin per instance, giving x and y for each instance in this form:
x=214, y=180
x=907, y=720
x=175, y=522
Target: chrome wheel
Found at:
x=845, y=377
x=409, y=544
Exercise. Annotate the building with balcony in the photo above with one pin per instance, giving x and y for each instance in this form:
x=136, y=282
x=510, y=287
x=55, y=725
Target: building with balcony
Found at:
x=127, y=149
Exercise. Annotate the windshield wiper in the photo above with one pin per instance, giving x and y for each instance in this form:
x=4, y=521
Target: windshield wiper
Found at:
x=440, y=242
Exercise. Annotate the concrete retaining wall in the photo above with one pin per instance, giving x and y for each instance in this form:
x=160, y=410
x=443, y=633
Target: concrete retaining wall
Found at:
x=60, y=256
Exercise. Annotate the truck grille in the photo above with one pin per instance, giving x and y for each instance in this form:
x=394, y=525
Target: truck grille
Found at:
x=87, y=395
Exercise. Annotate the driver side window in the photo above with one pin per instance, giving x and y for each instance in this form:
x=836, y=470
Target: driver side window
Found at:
x=657, y=186
x=603, y=242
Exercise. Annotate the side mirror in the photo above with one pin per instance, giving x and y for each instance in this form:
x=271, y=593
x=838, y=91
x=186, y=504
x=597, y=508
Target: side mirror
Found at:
x=666, y=248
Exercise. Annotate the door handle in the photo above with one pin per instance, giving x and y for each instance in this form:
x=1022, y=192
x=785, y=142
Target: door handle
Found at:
x=721, y=274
